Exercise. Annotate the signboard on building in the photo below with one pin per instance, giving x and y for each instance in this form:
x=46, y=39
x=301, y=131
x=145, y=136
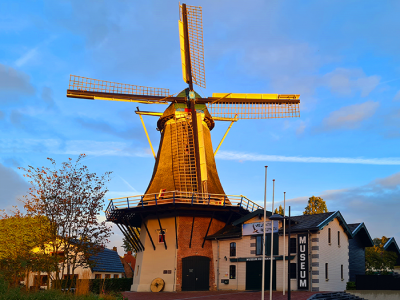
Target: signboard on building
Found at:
x=302, y=262
x=257, y=228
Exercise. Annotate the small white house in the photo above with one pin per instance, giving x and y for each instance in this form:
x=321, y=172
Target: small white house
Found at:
x=108, y=265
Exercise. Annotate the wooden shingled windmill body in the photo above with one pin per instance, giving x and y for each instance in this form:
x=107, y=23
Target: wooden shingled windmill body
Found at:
x=184, y=202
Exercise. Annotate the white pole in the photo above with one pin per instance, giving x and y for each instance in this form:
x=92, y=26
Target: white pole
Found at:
x=284, y=243
x=272, y=242
x=263, y=251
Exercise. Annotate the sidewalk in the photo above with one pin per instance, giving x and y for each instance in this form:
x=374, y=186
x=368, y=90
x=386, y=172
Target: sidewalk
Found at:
x=220, y=295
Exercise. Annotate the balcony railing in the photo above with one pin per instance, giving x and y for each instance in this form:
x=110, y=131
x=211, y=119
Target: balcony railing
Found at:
x=178, y=197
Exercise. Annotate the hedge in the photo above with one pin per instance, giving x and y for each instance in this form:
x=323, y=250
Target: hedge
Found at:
x=102, y=285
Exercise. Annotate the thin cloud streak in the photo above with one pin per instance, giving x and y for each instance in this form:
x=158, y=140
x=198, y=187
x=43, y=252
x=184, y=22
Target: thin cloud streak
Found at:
x=72, y=147
x=227, y=155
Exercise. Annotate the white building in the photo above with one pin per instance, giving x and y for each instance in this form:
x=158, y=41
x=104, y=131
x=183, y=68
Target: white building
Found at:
x=323, y=238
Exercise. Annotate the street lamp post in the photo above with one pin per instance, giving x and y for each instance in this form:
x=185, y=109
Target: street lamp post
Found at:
x=265, y=216
x=284, y=243
x=288, y=294
x=271, y=265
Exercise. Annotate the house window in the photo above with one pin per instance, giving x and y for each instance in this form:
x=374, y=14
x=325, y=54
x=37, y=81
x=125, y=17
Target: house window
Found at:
x=341, y=272
x=293, y=248
x=97, y=276
x=233, y=249
x=329, y=236
x=161, y=236
x=108, y=276
x=338, y=238
x=293, y=271
x=116, y=276
x=326, y=272
x=40, y=280
x=259, y=245
x=76, y=276
x=232, y=272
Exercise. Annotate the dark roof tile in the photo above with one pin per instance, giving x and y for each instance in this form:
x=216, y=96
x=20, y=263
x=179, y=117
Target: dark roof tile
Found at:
x=228, y=231
x=107, y=261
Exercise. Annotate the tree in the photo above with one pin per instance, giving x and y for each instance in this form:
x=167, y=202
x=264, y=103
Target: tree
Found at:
x=280, y=211
x=377, y=259
x=71, y=198
x=126, y=245
x=20, y=234
x=316, y=205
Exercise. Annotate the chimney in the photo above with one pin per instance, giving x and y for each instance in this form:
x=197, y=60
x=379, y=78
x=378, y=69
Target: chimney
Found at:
x=115, y=249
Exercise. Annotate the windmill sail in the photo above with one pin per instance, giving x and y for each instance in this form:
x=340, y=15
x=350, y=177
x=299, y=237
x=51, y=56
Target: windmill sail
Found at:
x=95, y=89
x=254, y=106
x=196, y=46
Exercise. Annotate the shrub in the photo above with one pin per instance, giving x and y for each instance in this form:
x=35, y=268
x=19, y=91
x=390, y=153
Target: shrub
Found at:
x=350, y=285
x=100, y=286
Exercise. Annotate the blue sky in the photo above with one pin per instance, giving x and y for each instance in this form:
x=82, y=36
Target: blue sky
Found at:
x=342, y=57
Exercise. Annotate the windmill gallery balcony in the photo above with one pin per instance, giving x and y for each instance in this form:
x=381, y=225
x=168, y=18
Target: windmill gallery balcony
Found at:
x=167, y=200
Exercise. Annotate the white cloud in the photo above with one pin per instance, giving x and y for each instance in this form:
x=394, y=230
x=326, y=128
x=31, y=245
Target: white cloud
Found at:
x=12, y=80
x=12, y=187
x=26, y=57
x=72, y=147
x=350, y=117
x=127, y=183
x=370, y=203
x=397, y=96
x=346, y=81
x=240, y=156
x=300, y=129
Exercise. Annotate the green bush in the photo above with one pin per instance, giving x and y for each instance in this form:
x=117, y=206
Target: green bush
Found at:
x=351, y=285
x=3, y=286
x=18, y=294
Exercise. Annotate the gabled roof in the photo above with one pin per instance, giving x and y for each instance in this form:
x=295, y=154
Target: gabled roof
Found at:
x=107, y=261
x=318, y=222
x=360, y=230
x=391, y=245
x=258, y=212
x=353, y=226
x=229, y=231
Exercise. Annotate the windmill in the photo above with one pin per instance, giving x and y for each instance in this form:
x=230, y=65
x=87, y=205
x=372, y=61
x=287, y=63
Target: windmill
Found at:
x=185, y=171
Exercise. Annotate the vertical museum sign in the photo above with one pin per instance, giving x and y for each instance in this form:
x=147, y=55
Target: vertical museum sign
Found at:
x=302, y=262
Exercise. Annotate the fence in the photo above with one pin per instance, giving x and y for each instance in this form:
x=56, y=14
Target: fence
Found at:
x=377, y=282
x=178, y=197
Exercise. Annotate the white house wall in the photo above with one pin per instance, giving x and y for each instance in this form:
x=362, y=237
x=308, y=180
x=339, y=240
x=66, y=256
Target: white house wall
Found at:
x=332, y=254
x=320, y=252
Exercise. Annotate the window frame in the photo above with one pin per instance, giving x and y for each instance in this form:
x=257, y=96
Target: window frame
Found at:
x=341, y=272
x=97, y=276
x=293, y=245
x=329, y=236
x=338, y=238
x=259, y=243
x=326, y=272
x=161, y=238
x=293, y=275
x=232, y=272
x=232, y=249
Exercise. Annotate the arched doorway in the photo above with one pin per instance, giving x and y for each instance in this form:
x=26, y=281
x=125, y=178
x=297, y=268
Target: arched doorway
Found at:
x=195, y=273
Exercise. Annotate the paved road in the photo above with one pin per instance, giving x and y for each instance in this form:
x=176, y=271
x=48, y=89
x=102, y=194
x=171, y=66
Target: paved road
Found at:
x=220, y=295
